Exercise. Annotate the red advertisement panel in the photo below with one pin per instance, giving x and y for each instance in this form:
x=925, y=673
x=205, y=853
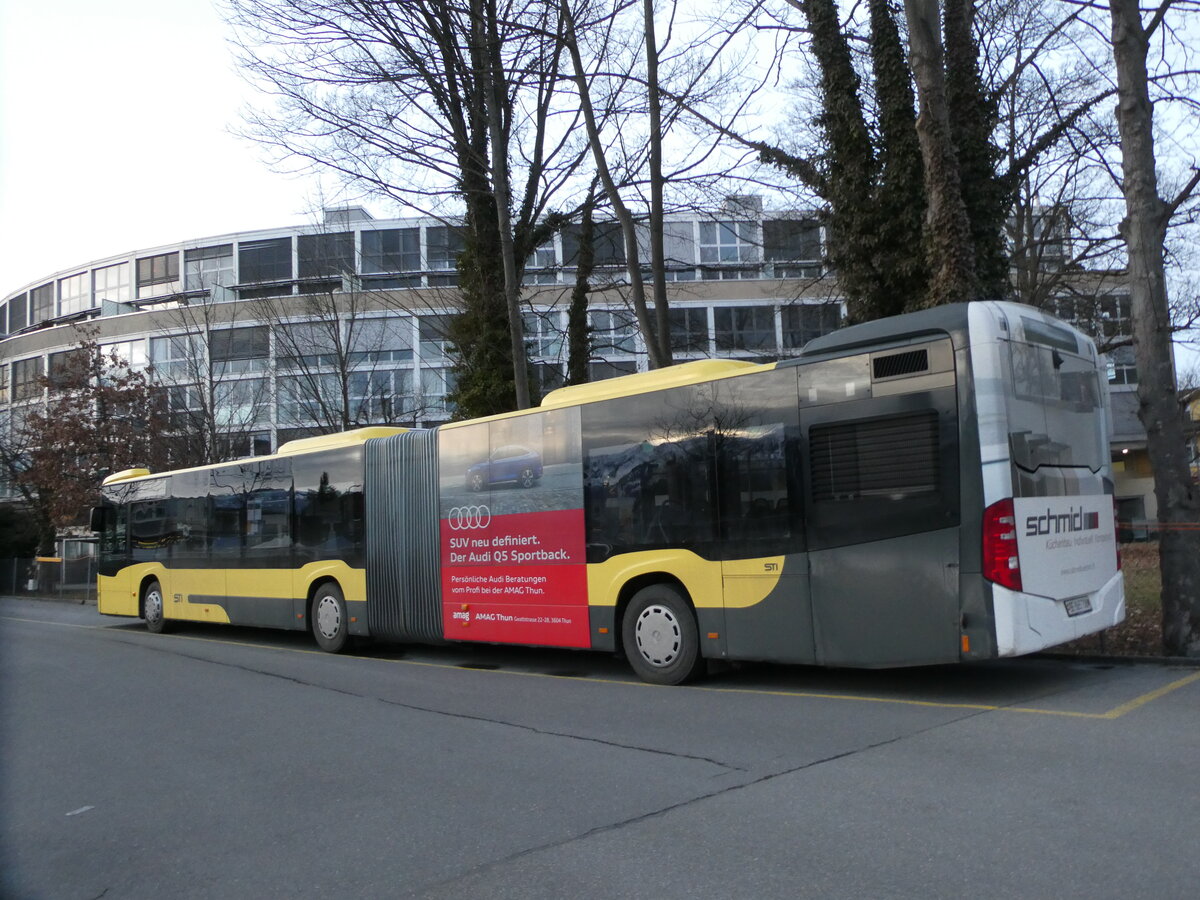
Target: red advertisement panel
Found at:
x=512, y=532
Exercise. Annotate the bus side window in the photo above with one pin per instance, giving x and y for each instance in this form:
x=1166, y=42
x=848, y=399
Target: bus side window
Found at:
x=115, y=538
x=228, y=512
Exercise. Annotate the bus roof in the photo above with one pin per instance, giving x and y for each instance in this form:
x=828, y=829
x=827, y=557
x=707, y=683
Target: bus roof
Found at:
x=291, y=448
x=643, y=382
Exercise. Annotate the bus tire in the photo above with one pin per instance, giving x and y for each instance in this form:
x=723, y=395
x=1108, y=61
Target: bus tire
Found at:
x=153, y=608
x=330, y=624
x=659, y=636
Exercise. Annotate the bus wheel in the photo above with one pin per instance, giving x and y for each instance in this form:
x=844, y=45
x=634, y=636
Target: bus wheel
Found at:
x=660, y=637
x=152, y=609
x=329, y=621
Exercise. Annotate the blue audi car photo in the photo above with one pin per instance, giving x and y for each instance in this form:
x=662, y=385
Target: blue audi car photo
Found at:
x=513, y=464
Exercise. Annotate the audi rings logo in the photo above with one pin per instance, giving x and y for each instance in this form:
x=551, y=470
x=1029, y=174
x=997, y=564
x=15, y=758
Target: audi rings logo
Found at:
x=469, y=518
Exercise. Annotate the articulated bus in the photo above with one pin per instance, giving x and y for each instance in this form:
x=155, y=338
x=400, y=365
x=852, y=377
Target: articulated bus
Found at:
x=931, y=488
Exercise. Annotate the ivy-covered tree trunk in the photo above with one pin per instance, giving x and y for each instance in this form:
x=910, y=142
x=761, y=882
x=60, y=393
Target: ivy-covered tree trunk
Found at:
x=579, y=342
x=482, y=352
x=1144, y=230
x=948, y=229
x=972, y=120
x=900, y=200
x=849, y=167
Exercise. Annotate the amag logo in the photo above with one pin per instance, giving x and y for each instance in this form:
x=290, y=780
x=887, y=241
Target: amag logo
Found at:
x=1062, y=523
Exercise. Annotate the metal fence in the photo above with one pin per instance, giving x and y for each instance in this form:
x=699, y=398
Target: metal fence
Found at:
x=62, y=578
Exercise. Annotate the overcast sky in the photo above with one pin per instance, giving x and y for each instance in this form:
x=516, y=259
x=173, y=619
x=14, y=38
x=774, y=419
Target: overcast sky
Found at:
x=113, y=134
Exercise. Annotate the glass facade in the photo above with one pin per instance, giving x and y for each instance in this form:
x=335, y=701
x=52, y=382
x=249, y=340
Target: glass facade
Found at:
x=112, y=283
x=265, y=260
x=205, y=267
x=74, y=294
x=158, y=276
x=383, y=359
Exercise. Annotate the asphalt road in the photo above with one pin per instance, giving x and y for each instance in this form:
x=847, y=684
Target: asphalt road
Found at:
x=231, y=763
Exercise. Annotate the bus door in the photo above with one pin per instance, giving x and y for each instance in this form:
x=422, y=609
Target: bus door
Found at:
x=883, y=537
x=759, y=490
x=259, y=579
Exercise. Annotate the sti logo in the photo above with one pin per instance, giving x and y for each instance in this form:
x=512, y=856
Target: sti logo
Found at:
x=1061, y=523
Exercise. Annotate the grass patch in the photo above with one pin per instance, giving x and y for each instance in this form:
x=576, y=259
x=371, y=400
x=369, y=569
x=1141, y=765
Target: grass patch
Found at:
x=1141, y=632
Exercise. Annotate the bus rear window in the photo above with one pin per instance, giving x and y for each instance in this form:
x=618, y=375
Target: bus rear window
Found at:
x=1053, y=409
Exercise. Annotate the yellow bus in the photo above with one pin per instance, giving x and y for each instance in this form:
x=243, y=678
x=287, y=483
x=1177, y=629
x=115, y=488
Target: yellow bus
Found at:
x=931, y=488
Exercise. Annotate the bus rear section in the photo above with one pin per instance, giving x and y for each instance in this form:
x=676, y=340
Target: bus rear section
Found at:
x=1050, y=559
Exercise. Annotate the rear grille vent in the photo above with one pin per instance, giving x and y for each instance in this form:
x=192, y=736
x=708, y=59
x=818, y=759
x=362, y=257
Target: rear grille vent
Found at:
x=908, y=363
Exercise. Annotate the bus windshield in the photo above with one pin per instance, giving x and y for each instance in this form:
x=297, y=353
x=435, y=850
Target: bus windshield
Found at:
x=1054, y=409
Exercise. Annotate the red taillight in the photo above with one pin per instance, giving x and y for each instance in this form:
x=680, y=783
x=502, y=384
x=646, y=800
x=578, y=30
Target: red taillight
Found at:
x=1001, y=563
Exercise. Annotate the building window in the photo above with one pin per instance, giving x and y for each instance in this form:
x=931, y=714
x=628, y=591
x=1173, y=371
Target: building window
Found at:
x=3, y=383
x=443, y=245
x=544, y=335
x=381, y=396
x=241, y=403
x=391, y=250
x=382, y=340
x=744, y=328
x=235, y=351
x=158, y=276
x=613, y=331
x=204, y=267
x=18, y=313
x=42, y=302
x=269, y=260
x=68, y=368
x=1122, y=369
x=689, y=330
x=130, y=354
x=540, y=268
x=434, y=335
x=791, y=240
x=803, y=322
x=608, y=245
x=176, y=355
x=435, y=385
x=112, y=283
x=74, y=294
x=599, y=371
x=322, y=255
x=728, y=242
x=26, y=377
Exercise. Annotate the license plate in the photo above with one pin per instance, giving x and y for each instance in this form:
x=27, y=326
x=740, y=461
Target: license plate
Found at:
x=1077, y=606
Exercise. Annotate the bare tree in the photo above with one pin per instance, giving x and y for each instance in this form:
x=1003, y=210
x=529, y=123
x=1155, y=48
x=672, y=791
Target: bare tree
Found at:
x=447, y=107
x=1144, y=229
x=98, y=416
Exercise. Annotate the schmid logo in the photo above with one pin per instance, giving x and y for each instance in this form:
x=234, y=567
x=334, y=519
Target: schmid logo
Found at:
x=1061, y=523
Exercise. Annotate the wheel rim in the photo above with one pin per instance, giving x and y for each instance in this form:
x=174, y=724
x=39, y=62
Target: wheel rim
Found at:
x=154, y=606
x=527, y=478
x=658, y=636
x=329, y=617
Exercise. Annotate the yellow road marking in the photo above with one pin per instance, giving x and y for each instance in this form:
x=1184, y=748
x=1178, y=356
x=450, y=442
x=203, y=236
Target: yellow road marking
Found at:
x=1114, y=713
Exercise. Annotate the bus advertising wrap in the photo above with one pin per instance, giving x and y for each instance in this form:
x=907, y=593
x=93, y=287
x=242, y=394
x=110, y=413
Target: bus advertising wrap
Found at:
x=512, y=532
x=1067, y=545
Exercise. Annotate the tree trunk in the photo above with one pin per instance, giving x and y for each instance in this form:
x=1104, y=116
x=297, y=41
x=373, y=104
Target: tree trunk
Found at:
x=948, y=229
x=637, y=289
x=658, y=263
x=1144, y=230
x=494, y=90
